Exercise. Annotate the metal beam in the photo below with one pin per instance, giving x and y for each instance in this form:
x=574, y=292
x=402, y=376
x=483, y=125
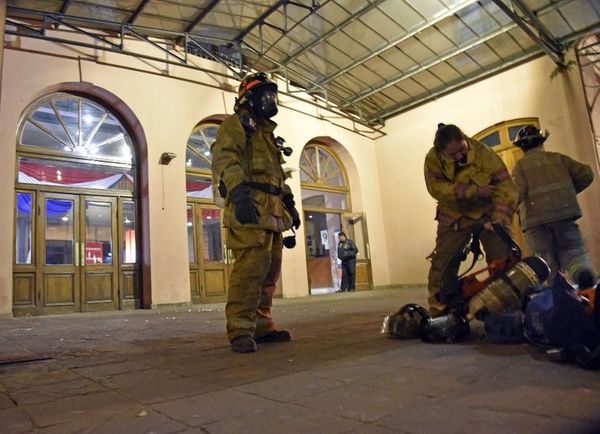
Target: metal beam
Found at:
x=138, y=10
x=451, y=11
x=437, y=60
x=260, y=19
x=543, y=39
x=351, y=18
x=64, y=6
x=204, y=12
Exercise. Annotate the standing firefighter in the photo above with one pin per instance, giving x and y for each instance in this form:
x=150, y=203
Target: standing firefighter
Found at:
x=259, y=206
x=548, y=184
x=472, y=188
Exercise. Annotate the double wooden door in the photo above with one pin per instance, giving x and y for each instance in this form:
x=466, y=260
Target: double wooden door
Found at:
x=355, y=227
x=210, y=259
x=73, y=264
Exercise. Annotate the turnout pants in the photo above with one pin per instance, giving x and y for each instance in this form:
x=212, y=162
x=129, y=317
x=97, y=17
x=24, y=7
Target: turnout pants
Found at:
x=252, y=283
x=348, y=275
x=449, y=241
x=561, y=246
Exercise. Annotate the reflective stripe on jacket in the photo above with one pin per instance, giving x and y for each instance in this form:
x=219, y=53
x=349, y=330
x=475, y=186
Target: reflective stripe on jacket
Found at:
x=455, y=187
x=238, y=158
x=548, y=184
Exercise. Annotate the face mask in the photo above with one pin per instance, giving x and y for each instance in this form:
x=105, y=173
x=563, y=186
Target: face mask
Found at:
x=268, y=104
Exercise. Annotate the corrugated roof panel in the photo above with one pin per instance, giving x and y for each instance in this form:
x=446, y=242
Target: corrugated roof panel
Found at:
x=40, y=5
x=398, y=59
x=333, y=13
x=535, y=5
x=334, y=55
x=403, y=14
x=464, y=64
x=379, y=21
x=427, y=9
x=477, y=20
x=100, y=12
x=522, y=38
x=366, y=75
x=428, y=80
x=169, y=10
x=381, y=66
x=363, y=34
x=322, y=67
x=445, y=72
x=435, y=40
x=483, y=55
x=416, y=50
x=455, y=30
x=412, y=87
x=581, y=14
x=350, y=46
x=505, y=46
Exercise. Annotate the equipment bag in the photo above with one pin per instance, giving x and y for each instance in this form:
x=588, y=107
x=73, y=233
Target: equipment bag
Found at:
x=556, y=318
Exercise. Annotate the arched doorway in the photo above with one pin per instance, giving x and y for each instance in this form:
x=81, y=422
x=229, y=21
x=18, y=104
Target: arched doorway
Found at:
x=76, y=235
x=327, y=211
x=208, y=255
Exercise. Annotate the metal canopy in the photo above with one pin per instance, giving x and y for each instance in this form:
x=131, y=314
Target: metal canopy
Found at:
x=367, y=60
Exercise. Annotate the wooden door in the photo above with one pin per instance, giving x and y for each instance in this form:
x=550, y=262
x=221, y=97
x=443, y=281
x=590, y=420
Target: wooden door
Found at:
x=99, y=262
x=209, y=257
x=58, y=256
x=355, y=227
x=129, y=256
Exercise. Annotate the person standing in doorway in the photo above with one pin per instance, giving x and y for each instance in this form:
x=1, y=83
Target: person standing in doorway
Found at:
x=346, y=253
x=259, y=206
x=548, y=184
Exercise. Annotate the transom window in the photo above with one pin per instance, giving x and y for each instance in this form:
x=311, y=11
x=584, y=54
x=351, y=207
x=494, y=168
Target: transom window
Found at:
x=66, y=140
x=198, y=160
x=501, y=135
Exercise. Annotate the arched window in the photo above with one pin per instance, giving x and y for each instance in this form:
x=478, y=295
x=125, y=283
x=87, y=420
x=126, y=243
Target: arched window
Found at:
x=323, y=178
x=69, y=141
x=500, y=136
x=198, y=160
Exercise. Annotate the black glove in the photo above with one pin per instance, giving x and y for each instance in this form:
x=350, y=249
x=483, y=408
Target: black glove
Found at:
x=290, y=205
x=245, y=210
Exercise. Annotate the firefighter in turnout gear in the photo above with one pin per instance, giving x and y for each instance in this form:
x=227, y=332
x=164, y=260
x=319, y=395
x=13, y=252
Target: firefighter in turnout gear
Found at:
x=472, y=188
x=259, y=206
x=548, y=184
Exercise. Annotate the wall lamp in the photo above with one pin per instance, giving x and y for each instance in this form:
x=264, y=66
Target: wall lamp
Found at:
x=166, y=158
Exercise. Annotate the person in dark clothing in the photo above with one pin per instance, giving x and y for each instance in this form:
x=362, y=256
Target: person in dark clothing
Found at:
x=346, y=252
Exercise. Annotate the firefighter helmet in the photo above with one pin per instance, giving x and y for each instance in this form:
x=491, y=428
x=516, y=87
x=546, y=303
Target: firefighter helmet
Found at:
x=258, y=93
x=407, y=323
x=529, y=137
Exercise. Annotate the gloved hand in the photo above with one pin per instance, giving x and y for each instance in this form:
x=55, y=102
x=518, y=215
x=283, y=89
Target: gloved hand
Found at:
x=245, y=210
x=290, y=205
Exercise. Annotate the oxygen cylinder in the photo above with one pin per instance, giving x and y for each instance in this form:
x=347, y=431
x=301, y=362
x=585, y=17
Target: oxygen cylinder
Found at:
x=504, y=293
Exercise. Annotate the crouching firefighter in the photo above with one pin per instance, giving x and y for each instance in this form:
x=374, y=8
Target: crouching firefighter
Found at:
x=467, y=297
x=247, y=173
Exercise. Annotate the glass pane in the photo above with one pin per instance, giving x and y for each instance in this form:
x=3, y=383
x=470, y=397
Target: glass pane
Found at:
x=23, y=231
x=59, y=231
x=354, y=230
x=321, y=231
x=76, y=126
x=71, y=174
x=129, y=233
x=323, y=199
x=492, y=139
x=98, y=232
x=331, y=173
x=199, y=186
x=211, y=228
x=190, y=233
x=197, y=154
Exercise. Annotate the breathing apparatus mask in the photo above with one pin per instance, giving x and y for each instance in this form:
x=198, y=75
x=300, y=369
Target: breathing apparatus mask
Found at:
x=280, y=143
x=259, y=95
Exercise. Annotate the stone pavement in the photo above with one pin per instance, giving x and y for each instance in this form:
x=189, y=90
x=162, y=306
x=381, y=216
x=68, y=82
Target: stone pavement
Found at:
x=171, y=371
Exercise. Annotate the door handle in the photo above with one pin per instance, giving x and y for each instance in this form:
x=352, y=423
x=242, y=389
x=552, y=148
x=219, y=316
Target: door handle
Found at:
x=77, y=254
x=82, y=251
x=225, y=254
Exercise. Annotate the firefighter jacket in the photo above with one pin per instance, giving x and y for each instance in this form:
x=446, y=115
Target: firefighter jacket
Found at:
x=346, y=250
x=245, y=151
x=455, y=186
x=548, y=184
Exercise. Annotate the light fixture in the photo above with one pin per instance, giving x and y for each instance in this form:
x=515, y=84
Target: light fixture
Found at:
x=65, y=218
x=166, y=158
x=189, y=224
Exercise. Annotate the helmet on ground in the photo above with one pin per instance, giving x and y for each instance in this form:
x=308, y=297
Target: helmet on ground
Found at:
x=259, y=94
x=529, y=137
x=407, y=323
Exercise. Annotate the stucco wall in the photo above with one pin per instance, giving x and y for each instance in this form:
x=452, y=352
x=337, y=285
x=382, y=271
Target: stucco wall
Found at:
x=168, y=108
x=526, y=91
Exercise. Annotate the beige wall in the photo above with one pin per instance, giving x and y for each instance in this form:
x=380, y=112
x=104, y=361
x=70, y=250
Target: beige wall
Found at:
x=168, y=108
x=521, y=92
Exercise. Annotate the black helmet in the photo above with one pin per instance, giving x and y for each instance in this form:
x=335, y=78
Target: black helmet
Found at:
x=258, y=93
x=529, y=137
x=407, y=323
